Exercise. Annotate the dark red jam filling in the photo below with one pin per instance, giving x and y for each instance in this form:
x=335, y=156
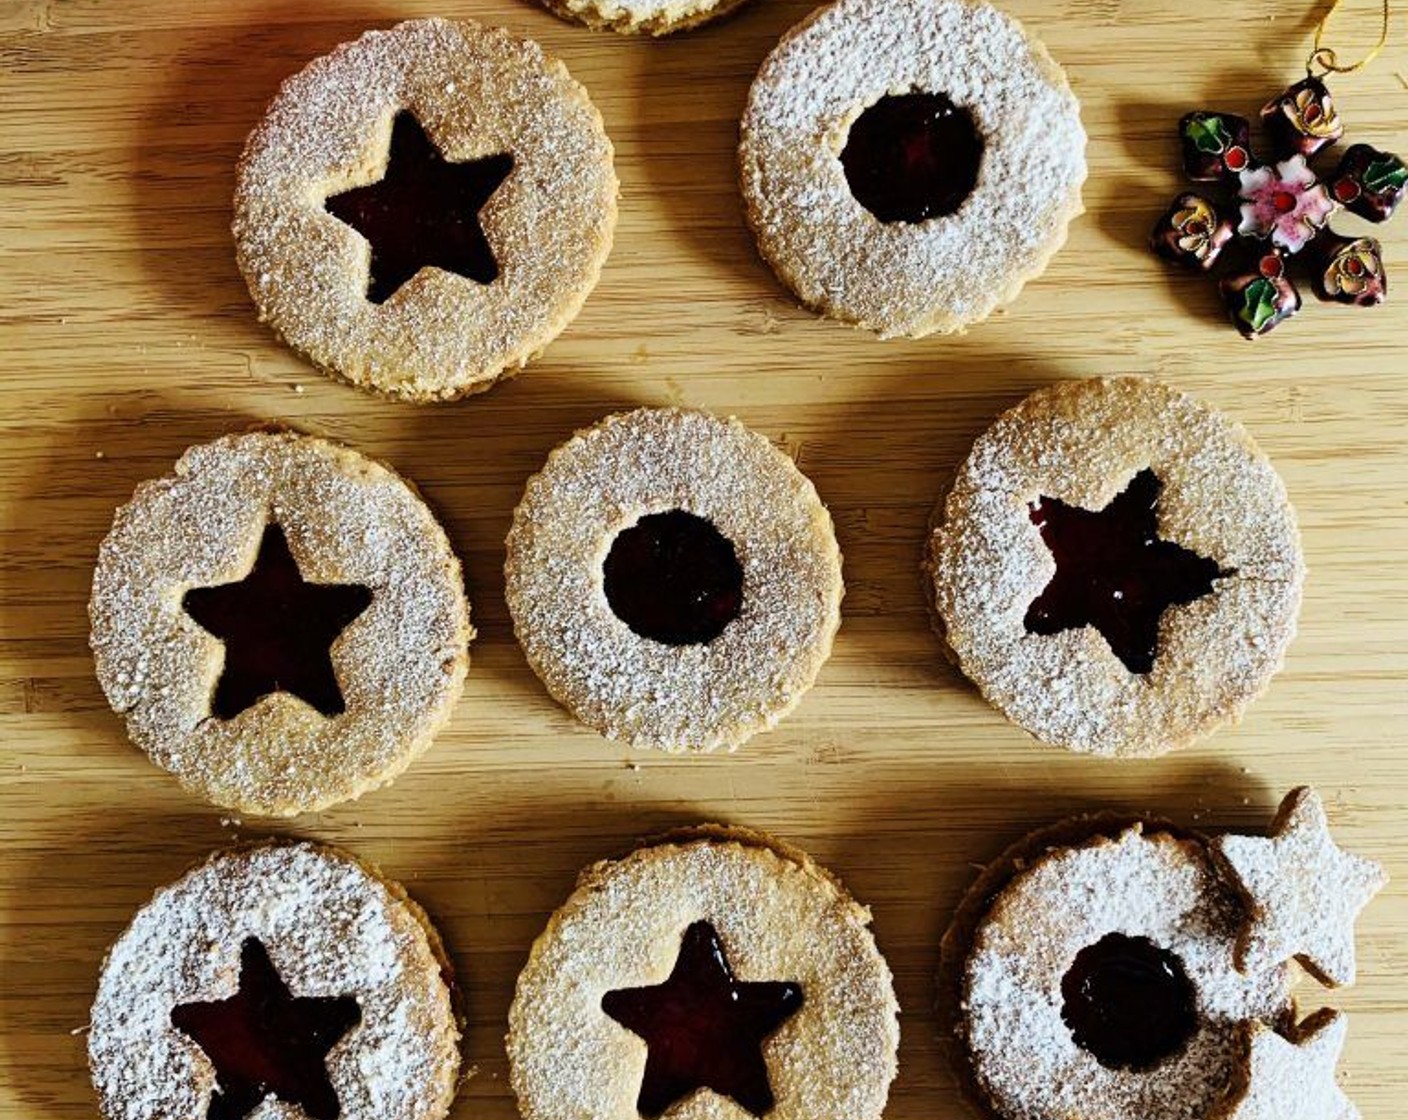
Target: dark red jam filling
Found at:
x=1128, y=1002
x=278, y=631
x=704, y=1028
x=1113, y=573
x=264, y=1041
x=424, y=213
x=913, y=157
x=674, y=578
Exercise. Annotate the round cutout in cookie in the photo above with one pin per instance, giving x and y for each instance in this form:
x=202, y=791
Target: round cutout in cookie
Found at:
x=424, y=209
x=714, y=973
x=908, y=165
x=674, y=580
x=1091, y=971
x=281, y=622
x=643, y=17
x=281, y=979
x=1116, y=567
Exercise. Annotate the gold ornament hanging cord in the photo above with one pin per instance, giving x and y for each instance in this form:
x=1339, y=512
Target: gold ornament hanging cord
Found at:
x=1325, y=57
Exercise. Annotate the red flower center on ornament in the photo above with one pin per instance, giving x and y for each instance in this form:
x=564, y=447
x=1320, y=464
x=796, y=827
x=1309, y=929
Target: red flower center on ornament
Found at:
x=1284, y=201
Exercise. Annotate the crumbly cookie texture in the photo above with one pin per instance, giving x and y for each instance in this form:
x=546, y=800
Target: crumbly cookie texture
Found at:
x=478, y=92
x=1023, y=1056
x=332, y=926
x=1294, y=1078
x=1304, y=893
x=900, y=279
x=778, y=915
x=401, y=664
x=1081, y=442
x=642, y=17
x=676, y=698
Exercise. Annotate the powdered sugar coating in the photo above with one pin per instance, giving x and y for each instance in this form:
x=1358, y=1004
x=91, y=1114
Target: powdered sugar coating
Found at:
x=1294, y=1079
x=642, y=17
x=332, y=928
x=478, y=92
x=401, y=664
x=1157, y=886
x=1082, y=442
x=1303, y=891
x=779, y=918
x=901, y=278
x=693, y=697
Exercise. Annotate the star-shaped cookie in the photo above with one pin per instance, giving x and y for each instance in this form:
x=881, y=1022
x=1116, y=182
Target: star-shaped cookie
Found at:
x=1304, y=893
x=1294, y=1079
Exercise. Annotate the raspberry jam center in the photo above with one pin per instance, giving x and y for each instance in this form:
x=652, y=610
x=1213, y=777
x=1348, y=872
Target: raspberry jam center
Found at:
x=1128, y=1002
x=704, y=1028
x=277, y=629
x=264, y=1041
x=1114, y=573
x=674, y=578
x=424, y=213
x=913, y=156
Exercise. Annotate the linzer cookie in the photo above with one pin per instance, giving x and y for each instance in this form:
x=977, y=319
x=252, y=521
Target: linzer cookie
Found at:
x=1095, y=972
x=282, y=979
x=714, y=973
x=908, y=165
x=674, y=580
x=642, y=17
x=281, y=622
x=1117, y=567
x=423, y=210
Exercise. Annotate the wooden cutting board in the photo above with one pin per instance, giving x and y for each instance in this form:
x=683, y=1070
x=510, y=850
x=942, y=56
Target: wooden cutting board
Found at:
x=126, y=335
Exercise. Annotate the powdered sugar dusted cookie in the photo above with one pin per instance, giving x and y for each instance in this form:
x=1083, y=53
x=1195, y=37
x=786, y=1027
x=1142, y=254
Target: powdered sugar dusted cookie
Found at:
x=1101, y=983
x=278, y=980
x=674, y=580
x=908, y=165
x=717, y=973
x=423, y=210
x=643, y=17
x=1294, y=1078
x=1304, y=892
x=1094, y=972
x=281, y=622
x=1117, y=567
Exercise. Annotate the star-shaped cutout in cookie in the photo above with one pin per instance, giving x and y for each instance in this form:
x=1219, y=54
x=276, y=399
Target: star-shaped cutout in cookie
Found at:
x=264, y=1041
x=704, y=1028
x=1114, y=573
x=1295, y=1080
x=1304, y=892
x=424, y=212
x=278, y=631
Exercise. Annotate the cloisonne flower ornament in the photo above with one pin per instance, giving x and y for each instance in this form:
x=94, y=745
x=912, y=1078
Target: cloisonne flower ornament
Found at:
x=1283, y=208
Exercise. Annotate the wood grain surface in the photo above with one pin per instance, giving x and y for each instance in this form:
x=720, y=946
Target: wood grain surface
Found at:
x=126, y=335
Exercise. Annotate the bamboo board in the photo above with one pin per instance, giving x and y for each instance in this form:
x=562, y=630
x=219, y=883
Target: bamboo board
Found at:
x=126, y=335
